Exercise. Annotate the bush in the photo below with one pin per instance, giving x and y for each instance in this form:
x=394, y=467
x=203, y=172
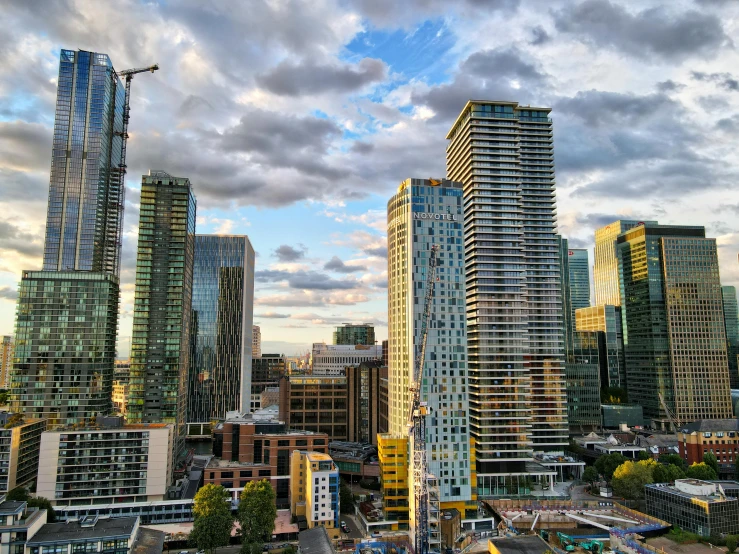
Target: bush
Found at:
x=731, y=544
x=681, y=536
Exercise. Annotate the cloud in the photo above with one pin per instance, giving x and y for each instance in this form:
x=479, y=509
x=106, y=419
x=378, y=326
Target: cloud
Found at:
x=654, y=32
x=335, y=264
x=286, y=253
x=304, y=280
x=540, y=36
x=15, y=239
x=310, y=299
x=271, y=315
x=8, y=293
x=391, y=13
x=724, y=80
x=307, y=77
x=729, y=124
x=669, y=86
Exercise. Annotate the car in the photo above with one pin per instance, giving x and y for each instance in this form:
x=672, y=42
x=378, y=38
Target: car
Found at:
x=200, y=552
x=184, y=552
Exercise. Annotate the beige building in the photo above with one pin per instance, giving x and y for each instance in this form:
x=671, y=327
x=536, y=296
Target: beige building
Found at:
x=256, y=341
x=314, y=490
x=6, y=360
x=19, y=451
x=110, y=462
x=331, y=359
x=120, y=396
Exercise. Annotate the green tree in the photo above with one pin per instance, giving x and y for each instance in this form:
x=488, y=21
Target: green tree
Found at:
x=709, y=458
x=667, y=473
x=3, y=398
x=643, y=455
x=701, y=471
x=731, y=544
x=257, y=513
x=213, y=519
x=346, y=498
x=43, y=504
x=630, y=477
x=673, y=459
x=607, y=464
x=590, y=475
x=18, y=494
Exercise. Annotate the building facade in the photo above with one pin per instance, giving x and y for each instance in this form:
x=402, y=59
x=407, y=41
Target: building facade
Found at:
x=256, y=341
x=314, y=491
x=731, y=325
x=502, y=153
x=606, y=321
x=20, y=444
x=352, y=333
x=426, y=213
x=266, y=372
x=66, y=329
x=392, y=451
x=579, y=278
x=6, y=360
x=331, y=359
x=86, y=190
x=221, y=328
x=107, y=464
x=160, y=345
x=719, y=436
x=675, y=348
x=120, y=535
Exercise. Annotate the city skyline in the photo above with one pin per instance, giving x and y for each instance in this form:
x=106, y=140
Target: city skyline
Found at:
x=633, y=139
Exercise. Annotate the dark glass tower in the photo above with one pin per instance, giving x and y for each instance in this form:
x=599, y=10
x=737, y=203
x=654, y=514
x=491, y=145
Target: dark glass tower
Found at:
x=160, y=345
x=86, y=195
x=579, y=278
x=731, y=324
x=222, y=314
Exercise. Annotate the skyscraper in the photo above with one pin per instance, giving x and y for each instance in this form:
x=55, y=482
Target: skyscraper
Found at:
x=350, y=333
x=676, y=342
x=221, y=333
x=160, y=345
x=86, y=194
x=606, y=320
x=731, y=324
x=579, y=278
x=502, y=153
x=605, y=268
x=256, y=341
x=424, y=213
x=6, y=360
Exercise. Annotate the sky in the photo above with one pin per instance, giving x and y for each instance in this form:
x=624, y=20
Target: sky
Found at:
x=297, y=120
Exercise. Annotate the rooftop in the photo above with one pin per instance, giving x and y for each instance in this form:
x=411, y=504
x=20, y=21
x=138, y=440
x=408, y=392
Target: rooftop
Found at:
x=694, y=489
x=219, y=462
x=8, y=507
x=149, y=541
x=705, y=425
x=84, y=529
x=531, y=544
x=315, y=541
x=318, y=457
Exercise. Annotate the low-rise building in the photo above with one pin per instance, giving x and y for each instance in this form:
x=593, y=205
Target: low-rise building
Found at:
x=20, y=445
x=314, y=484
x=119, y=536
x=697, y=506
x=720, y=436
x=331, y=359
x=18, y=522
x=110, y=462
x=615, y=416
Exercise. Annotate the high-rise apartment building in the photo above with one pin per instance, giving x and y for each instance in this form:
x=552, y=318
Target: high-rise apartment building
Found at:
x=160, y=345
x=351, y=333
x=221, y=332
x=86, y=190
x=256, y=341
x=606, y=320
x=579, y=278
x=605, y=268
x=502, y=153
x=6, y=360
x=675, y=349
x=731, y=324
x=424, y=213
x=65, y=345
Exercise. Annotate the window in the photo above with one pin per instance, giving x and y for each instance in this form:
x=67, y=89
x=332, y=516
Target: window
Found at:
x=246, y=473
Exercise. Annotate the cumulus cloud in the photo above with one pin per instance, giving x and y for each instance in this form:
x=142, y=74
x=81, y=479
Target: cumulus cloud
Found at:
x=335, y=264
x=724, y=80
x=8, y=293
x=307, y=77
x=286, y=253
x=305, y=280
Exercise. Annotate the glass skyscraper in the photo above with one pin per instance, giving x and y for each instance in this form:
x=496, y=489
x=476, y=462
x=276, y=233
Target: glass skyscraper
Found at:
x=160, y=345
x=673, y=310
x=606, y=320
x=350, y=333
x=502, y=153
x=731, y=324
x=579, y=278
x=86, y=192
x=423, y=213
x=221, y=332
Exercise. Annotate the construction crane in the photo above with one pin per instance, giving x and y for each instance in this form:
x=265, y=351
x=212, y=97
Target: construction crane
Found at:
x=128, y=74
x=417, y=420
x=676, y=423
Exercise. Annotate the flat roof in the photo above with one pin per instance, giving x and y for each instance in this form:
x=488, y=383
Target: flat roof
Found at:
x=712, y=499
x=75, y=530
x=315, y=541
x=531, y=544
x=11, y=506
x=318, y=457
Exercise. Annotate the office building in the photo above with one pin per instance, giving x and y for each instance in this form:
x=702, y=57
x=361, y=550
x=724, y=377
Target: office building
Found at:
x=314, y=491
x=6, y=360
x=579, y=278
x=353, y=333
x=107, y=463
x=731, y=325
x=256, y=341
x=363, y=406
x=384, y=401
x=65, y=345
x=221, y=329
x=426, y=213
x=392, y=450
x=616, y=415
x=123, y=535
x=331, y=359
x=20, y=444
x=695, y=506
x=719, y=436
x=675, y=349
x=266, y=372
x=605, y=268
x=160, y=346
x=606, y=321
x=502, y=153
x=86, y=190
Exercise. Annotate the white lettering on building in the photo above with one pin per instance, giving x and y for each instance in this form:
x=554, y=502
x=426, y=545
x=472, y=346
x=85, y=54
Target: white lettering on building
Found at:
x=438, y=217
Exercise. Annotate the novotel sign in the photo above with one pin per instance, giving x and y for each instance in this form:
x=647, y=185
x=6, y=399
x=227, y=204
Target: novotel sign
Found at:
x=438, y=217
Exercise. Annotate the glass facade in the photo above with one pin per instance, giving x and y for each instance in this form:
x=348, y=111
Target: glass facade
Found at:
x=706, y=515
x=607, y=321
x=160, y=346
x=579, y=278
x=86, y=192
x=65, y=345
x=731, y=324
x=355, y=334
x=502, y=153
x=673, y=310
x=425, y=213
x=222, y=312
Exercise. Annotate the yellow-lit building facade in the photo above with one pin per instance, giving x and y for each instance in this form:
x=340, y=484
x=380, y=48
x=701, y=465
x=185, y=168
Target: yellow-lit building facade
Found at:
x=314, y=490
x=392, y=451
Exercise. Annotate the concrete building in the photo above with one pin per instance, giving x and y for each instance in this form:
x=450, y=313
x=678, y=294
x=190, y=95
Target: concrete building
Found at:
x=502, y=154
x=6, y=360
x=160, y=346
x=606, y=321
x=110, y=462
x=314, y=490
x=355, y=333
x=120, y=397
x=266, y=372
x=120, y=535
x=731, y=324
x=18, y=523
x=424, y=213
x=720, y=436
x=256, y=341
x=20, y=445
x=221, y=329
x=697, y=506
x=331, y=359
x=675, y=346
x=392, y=451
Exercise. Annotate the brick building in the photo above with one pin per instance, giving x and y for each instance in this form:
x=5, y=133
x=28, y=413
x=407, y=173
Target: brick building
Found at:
x=720, y=436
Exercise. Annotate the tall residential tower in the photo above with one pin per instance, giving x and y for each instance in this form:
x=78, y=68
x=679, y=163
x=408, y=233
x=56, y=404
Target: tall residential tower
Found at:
x=731, y=324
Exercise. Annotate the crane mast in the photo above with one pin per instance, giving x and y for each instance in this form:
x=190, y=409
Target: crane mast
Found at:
x=417, y=420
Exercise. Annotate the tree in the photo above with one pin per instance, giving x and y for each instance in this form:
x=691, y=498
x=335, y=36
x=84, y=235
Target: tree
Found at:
x=590, y=475
x=709, y=458
x=673, y=459
x=731, y=544
x=3, y=397
x=213, y=519
x=346, y=498
x=43, y=504
x=643, y=455
x=701, y=471
x=630, y=477
x=18, y=494
x=667, y=473
x=607, y=464
x=257, y=513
